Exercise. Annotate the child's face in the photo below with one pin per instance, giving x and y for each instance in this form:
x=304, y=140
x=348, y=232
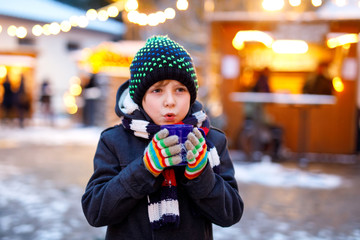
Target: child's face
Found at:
x=167, y=102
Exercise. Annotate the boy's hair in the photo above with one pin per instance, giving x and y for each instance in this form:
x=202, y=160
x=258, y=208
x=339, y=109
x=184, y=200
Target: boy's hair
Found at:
x=161, y=58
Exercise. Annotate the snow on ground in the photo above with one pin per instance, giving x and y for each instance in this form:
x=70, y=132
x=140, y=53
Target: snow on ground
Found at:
x=44, y=209
x=275, y=175
x=264, y=173
x=51, y=136
x=35, y=209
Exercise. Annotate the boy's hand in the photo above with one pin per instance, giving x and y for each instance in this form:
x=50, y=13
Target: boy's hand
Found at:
x=196, y=154
x=163, y=151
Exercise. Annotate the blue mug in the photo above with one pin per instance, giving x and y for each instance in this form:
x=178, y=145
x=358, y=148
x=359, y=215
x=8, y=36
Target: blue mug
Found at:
x=182, y=131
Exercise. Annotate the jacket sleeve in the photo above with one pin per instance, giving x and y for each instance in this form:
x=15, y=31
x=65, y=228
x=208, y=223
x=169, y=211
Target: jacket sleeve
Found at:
x=216, y=194
x=113, y=192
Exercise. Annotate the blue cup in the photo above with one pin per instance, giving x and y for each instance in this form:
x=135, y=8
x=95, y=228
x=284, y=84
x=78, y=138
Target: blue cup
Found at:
x=182, y=131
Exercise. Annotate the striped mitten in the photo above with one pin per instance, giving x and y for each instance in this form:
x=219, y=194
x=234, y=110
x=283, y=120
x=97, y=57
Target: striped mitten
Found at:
x=196, y=154
x=163, y=151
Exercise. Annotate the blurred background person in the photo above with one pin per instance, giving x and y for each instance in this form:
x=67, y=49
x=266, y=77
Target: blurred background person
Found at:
x=91, y=95
x=22, y=102
x=45, y=101
x=319, y=82
x=8, y=100
x=262, y=83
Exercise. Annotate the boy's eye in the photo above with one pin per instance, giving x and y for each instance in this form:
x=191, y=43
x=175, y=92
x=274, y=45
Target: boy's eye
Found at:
x=182, y=89
x=156, y=90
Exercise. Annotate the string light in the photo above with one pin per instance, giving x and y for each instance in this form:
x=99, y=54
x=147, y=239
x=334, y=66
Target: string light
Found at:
x=316, y=3
x=182, y=5
x=12, y=30
x=91, y=14
x=294, y=3
x=130, y=6
x=152, y=19
x=113, y=11
x=273, y=5
x=65, y=26
x=103, y=15
x=37, y=30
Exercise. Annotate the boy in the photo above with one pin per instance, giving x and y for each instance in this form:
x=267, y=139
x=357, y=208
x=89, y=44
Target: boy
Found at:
x=138, y=189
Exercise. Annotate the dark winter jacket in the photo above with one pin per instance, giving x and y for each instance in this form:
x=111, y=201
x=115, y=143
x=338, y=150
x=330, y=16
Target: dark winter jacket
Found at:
x=116, y=195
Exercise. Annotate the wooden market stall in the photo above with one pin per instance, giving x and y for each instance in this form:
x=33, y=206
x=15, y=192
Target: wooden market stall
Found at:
x=236, y=59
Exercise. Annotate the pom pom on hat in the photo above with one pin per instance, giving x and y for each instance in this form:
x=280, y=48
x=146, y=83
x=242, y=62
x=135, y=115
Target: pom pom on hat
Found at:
x=160, y=59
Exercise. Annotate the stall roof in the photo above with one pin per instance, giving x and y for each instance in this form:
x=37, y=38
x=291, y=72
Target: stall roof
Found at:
x=51, y=11
x=328, y=12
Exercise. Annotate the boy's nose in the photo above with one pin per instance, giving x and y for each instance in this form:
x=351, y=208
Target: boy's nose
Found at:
x=169, y=99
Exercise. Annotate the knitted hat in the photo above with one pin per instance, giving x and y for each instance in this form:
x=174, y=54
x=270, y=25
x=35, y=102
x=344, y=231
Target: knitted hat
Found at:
x=160, y=59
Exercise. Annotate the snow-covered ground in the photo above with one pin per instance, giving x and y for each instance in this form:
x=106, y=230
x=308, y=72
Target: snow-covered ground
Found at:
x=272, y=174
x=41, y=210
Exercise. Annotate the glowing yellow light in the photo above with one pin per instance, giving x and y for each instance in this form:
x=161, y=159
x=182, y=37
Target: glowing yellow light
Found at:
x=152, y=19
x=37, y=30
x=70, y=103
x=3, y=71
x=346, y=46
x=132, y=16
x=12, y=30
x=54, y=28
x=142, y=19
x=316, y=3
x=103, y=15
x=160, y=16
x=251, y=36
x=338, y=84
x=342, y=40
x=290, y=46
x=46, y=29
x=65, y=26
x=0, y=28
x=21, y=32
x=113, y=11
x=69, y=99
x=238, y=44
x=273, y=5
x=75, y=89
x=74, y=21
x=72, y=109
x=91, y=14
x=294, y=3
x=170, y=13
x=131, y=5
x=182, y=5
x=83, y=21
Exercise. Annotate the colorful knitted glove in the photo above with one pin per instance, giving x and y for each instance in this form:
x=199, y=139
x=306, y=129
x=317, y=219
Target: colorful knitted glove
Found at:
x=196, y=154
x=163, y=151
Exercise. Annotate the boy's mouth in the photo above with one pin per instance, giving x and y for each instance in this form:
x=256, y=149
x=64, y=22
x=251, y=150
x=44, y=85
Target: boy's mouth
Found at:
x=169, y=116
